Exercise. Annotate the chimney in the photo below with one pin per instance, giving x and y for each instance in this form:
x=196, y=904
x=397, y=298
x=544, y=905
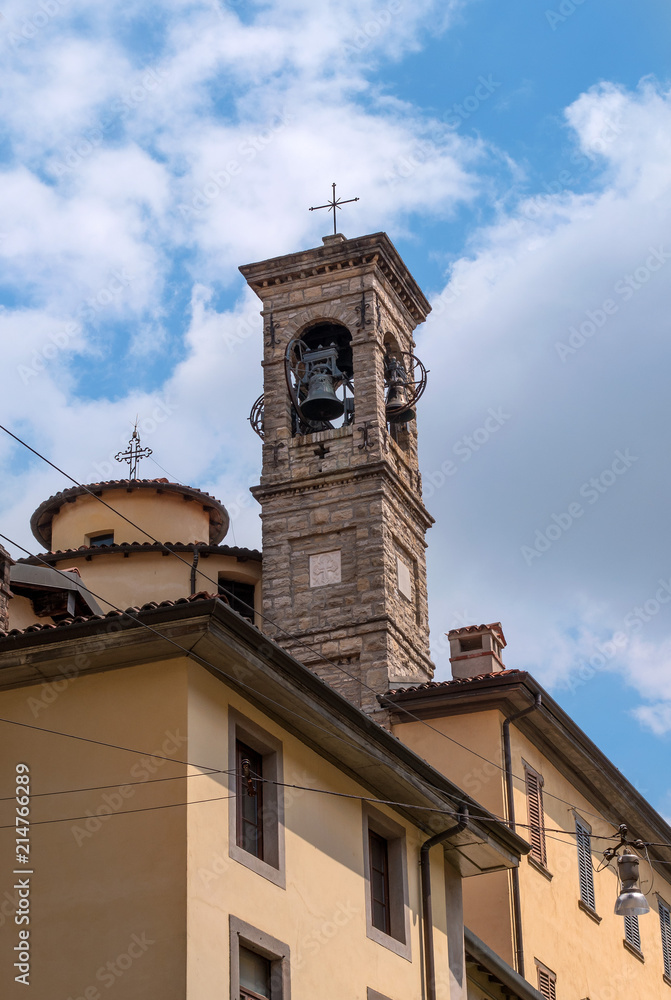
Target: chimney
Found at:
x=6, y=563
x=476, y=650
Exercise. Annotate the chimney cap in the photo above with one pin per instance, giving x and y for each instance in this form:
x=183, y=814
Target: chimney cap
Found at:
x=494, y=627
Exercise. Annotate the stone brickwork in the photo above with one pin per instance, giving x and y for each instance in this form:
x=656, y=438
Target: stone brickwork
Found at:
x=341, y=507
x=6, y=563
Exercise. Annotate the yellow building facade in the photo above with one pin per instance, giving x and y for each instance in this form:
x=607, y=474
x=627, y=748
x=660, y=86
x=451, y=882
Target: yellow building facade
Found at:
x=222, y=777
x=557, y=925
x=137, y=875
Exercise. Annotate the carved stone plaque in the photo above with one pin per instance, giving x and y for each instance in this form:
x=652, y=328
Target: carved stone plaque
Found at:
x=325, y=568
x=404, y=579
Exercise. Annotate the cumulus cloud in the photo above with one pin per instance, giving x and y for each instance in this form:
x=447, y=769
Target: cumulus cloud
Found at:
x=558, y=314
x=174, y=163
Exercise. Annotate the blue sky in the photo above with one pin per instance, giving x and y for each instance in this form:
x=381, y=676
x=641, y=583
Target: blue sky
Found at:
x=517, y=154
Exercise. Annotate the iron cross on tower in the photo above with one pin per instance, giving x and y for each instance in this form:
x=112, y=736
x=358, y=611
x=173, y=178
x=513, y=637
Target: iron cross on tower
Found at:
x=333, y=205
x=133, y=454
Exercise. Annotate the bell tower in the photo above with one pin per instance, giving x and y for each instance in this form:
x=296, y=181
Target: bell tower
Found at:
x=344, y=567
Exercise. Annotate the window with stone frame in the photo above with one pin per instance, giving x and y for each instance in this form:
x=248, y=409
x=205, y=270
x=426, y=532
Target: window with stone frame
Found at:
x=256, y=814
x=385, y=867
x=260, y=964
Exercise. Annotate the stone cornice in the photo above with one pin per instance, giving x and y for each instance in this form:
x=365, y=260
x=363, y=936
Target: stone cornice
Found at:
x=360, y=254
x=324, y=480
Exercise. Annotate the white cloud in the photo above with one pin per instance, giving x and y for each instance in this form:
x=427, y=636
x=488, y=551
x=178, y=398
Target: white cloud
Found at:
x=545, y=270
x=276, y=100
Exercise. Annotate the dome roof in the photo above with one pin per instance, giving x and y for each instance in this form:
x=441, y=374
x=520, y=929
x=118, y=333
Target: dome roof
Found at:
x=42, y=519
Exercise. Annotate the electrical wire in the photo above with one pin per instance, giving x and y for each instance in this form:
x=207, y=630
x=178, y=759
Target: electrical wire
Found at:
x=119, y=812
x=101, y=743
x=190, y=653
x=206, y=769
x=117, y=784
x=286, y=632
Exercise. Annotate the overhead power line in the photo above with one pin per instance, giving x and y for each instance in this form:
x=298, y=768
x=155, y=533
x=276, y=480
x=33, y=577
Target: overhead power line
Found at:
x=286, y=632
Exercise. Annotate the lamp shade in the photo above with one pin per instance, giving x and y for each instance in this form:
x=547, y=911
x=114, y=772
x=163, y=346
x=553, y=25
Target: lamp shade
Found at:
x=631, y=901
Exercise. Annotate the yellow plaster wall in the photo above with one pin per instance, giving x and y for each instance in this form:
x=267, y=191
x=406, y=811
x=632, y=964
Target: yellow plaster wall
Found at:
x=105, y=878
x=21, y=613
x=133, y=580
x=487, y=908
x=127, y=865
x=168, y=517
x=589, y=957
x=321, y=913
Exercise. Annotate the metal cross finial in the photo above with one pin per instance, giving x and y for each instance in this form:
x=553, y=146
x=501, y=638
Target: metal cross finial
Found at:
x=333, y=205
x=133, y=453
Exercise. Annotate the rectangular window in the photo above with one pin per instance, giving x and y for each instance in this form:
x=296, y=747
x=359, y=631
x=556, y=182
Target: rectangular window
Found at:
x=102, y=538
x=249, y=771
x=534, y=789
x=239, y=595
x=585, y=869
x=379, y=881
x=385, y=867
x=256, y=810
x=254, y=975
x=632, y=934
x=665, y=926
x=260, y=964
x=547, y=982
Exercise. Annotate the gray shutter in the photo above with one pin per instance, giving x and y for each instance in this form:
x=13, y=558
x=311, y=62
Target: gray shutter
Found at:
x=536, y=819
x=665, y=923
x=632, y=933
x=585, y=870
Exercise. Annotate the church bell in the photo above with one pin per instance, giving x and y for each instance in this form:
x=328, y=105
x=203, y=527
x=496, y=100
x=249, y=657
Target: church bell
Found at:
x=398, y=411
x=321, y=402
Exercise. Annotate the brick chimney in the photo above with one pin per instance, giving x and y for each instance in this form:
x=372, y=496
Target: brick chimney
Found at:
x=476, y=649
x=6, y=563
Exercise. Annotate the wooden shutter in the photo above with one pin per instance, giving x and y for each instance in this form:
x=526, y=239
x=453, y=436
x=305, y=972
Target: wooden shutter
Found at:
x=546, y=984
x=631, y=931
x=665, y=923
x=534, y=784
x=585, y=869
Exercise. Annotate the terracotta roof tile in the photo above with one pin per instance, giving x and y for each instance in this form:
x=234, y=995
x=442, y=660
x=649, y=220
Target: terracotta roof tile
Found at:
x=493, y=626
x=57, y=554
x=456, y=682
x=150, y=606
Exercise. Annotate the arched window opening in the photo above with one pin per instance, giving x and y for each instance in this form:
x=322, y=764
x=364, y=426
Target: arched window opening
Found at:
x=398, y=392
x=320, y=374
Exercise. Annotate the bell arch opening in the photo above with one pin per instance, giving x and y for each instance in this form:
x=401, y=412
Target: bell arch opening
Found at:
x=396, y=393
x=319, y=372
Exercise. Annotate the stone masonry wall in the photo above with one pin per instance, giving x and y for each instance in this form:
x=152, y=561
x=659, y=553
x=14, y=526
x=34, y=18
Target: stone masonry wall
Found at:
x=344, y=568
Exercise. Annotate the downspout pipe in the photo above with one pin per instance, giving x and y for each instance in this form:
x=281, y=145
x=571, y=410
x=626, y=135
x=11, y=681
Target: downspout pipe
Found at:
x=515, y=874
x=194, y=568
x=427, y=908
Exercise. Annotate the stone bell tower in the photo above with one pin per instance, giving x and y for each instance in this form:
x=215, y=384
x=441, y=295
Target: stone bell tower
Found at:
x=344, y=568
